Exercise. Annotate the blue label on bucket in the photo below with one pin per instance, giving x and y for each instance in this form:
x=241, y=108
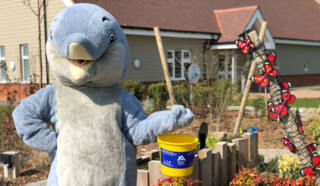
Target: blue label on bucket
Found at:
x=177, y=160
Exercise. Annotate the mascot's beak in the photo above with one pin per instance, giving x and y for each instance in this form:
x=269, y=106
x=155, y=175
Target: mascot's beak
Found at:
x=81, y=61
x=78, y=54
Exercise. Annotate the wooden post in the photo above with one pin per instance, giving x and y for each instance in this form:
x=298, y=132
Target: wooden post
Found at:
x=222, y=148
x=248, y=84
x=252, y=148
x=155, y=172
x=205, y=156
x=143, y=178
x=164, y=65
x=196, y=169
x=215, y=168
x=232, y=161
x=242, y=152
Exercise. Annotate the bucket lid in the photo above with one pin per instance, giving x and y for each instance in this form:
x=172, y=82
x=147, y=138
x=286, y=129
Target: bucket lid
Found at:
x=177, y=139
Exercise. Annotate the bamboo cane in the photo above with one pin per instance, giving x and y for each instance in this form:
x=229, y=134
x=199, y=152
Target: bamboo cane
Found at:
x=164, y=65
x=248, y=84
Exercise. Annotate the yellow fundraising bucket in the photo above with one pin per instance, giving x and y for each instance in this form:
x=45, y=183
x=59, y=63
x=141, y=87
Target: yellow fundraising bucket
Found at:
x=177, y=154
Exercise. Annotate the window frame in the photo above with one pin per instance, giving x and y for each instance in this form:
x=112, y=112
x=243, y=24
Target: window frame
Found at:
x=22, y=58
x=3, y=70
x=183, y=61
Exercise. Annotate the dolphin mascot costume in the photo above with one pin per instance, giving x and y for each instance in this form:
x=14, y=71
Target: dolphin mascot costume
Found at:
x=96, y=123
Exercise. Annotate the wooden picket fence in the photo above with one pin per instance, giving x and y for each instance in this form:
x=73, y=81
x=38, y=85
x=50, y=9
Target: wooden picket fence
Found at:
x=213, y=167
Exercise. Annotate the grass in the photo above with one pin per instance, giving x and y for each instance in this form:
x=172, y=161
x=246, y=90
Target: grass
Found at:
x=306, y=102
x=300, y=102
x=315, y=89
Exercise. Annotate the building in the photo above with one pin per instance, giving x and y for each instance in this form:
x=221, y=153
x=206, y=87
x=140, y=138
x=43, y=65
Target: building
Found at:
x=188, y=28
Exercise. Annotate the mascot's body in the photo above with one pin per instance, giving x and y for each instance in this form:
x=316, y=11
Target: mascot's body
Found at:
x=96, y=123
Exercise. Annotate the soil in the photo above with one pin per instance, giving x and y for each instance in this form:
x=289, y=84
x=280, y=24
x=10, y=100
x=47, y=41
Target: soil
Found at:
x=35, y=165
x=269, y=133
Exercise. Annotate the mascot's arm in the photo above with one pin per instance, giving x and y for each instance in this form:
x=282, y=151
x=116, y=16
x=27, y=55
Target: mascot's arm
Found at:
x=141, y=129
x=31, y=117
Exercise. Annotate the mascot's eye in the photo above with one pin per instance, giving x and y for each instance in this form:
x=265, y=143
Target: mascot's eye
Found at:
x=112, y=37
x=105, y=19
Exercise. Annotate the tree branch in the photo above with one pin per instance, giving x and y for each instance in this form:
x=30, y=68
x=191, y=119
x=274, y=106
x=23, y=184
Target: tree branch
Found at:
x=28, y=4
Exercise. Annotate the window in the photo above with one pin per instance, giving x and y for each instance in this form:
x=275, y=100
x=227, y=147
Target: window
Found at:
x=306, y=66
x=25, y=69
x=178, y=63
x=224, y=66
x=3, y=64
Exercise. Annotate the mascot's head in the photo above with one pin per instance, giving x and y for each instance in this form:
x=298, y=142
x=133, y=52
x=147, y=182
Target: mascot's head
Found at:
x=87, y=47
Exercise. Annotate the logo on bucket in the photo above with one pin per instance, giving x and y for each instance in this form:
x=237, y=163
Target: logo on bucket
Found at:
x=178, y=160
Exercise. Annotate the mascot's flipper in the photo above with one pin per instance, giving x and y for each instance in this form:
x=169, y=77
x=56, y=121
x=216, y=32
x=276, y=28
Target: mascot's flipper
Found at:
x=30, y=118
x=141, y=129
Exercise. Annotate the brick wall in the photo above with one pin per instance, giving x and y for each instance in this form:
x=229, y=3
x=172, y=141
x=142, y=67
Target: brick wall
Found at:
x=301, y=80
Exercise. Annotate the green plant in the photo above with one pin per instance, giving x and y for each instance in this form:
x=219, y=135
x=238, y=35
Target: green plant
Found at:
x=201, y=95
x=271, y=166
x=211, y=142
x=259, y=105
x=159, y=95
x=135, y=88
x=8, y=134
x=181, y=95
x=223, y=92
x=314, y=126
x=247, y=176
x=229, y=138
x=213, y=98
x=289, y=167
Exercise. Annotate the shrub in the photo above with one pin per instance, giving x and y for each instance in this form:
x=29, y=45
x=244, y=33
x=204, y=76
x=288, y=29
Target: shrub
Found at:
x=201, y=95
x=314, y=126
x=271, y=166
x=135, y=88
x=289, y=167
x=211, y=142
x=159, y=95
x=181, y=95
x=248, y=177
x=259, y=105
x=218, y=95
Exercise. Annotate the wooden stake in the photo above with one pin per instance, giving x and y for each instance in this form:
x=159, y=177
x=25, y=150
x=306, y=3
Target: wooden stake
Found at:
x=248, y=84
x=164, y=65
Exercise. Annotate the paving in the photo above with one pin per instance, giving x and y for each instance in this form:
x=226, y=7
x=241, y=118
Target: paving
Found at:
x=38, y=183
x=270, y=154
x=302, y=92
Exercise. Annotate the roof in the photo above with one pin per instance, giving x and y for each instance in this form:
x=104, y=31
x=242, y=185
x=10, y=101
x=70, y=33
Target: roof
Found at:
x=233, y=21
x=175, y=15
x=287, y=19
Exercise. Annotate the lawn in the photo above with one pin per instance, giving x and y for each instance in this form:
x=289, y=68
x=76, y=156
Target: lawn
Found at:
x=306, y=102
x=300, y=102
x=315, y=89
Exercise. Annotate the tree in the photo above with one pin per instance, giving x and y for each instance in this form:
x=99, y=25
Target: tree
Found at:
x=39, y=13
